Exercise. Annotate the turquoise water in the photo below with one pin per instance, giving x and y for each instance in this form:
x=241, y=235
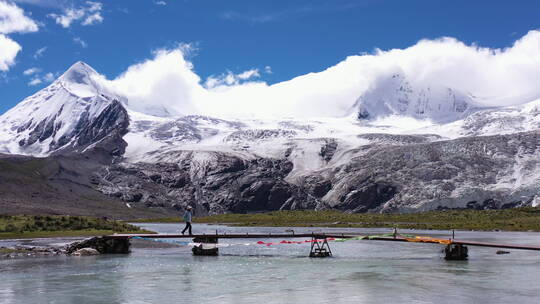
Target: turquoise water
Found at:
x=359, y=272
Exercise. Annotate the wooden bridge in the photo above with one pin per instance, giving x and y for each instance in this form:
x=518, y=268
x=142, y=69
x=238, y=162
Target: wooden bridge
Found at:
x=454, y=250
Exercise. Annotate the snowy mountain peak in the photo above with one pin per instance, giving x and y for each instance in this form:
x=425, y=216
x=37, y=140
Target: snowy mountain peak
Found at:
x=395, y=95
x=79, y=72
x=71, y=112
x=81, y=80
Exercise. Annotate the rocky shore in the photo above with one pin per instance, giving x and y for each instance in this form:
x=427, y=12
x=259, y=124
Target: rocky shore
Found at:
x=29, y=251
x=72, y=246
x=61, y=246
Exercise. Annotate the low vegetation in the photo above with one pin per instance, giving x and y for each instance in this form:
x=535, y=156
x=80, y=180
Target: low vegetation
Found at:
x=33, y=226
x=519, y=219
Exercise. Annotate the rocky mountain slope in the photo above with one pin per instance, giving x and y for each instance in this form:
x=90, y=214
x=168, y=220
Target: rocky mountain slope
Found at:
x=58, y=185
x=403, y=148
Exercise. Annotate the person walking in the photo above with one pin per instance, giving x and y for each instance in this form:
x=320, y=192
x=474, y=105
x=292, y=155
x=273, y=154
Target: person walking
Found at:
x=187, y=219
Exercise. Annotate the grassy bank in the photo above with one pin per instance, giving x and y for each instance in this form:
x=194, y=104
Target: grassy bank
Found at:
x=35, y=226
x=519, y=219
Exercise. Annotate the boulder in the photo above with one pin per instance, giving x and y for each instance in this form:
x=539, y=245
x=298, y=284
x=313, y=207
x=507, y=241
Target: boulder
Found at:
x=103, y=245
x=85, y=252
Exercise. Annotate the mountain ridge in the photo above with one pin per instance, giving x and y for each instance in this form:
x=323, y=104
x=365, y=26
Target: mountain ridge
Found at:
x=402, y=145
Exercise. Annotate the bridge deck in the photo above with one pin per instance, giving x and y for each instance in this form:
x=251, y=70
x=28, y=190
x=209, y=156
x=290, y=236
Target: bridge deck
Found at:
x=235, y=235
x=310, y=235
x=507, y=246
x=467, y=243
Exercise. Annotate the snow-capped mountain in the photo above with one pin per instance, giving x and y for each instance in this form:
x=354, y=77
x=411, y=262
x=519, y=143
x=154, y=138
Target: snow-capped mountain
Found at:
x=396, y=96
x=70, y=114
x=77, y=110
x=403, y=147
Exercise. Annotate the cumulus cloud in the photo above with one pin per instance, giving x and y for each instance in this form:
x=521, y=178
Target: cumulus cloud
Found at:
x=168, y=85
x=31, y=71
x=34, y=81
x=8, y=52
x=93, y=19
x=37, y=78
x=13, y=20
x=88, y=14
x=162, y=3
x=155, y=79
x=49, y=77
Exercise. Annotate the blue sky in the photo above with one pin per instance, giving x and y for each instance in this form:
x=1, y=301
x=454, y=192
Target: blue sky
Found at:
x=292, y=38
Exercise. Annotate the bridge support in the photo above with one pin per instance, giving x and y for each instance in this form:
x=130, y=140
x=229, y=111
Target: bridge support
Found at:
x=456, y=252
x=208, y=246
x=319, y=248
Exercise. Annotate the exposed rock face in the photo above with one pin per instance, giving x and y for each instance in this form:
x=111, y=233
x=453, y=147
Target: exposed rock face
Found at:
x=410, y=174
x=328, y=149
x=482, y=172
x=247, y=137
x=213, y=182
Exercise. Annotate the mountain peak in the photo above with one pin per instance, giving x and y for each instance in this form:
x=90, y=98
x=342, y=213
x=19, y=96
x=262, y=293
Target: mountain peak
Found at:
x=72, y=112
x=80, y=73
x=396, y=95
x=81, y=80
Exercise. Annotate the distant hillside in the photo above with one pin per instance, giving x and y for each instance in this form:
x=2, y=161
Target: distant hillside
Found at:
x=57, y=185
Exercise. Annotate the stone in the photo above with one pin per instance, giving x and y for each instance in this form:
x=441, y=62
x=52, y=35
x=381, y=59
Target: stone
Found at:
x=85, y=252
x=103, y=245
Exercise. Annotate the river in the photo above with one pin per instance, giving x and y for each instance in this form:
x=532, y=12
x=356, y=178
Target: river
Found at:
x=359, y=272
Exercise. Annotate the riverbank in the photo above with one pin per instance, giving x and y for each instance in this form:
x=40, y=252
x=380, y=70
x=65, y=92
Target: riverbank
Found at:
x=46, y=226
x=518, y=219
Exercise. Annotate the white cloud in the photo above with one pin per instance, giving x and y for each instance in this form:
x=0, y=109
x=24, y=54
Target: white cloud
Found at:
x=44, y=3
x=268, y=69
x=153, y=80
x=67, y=17
x=13, y=20
x=93, y=19
x=80, y=42
x=161, y=3
x=168, y=84
x=37, y=78
x=34, y=82
x=31, y=71
x=88, y=14
x=8, y=51
x=49, y=77
x=229, y=78
x=249, y=74
x=39, y=52
x=94, y=6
